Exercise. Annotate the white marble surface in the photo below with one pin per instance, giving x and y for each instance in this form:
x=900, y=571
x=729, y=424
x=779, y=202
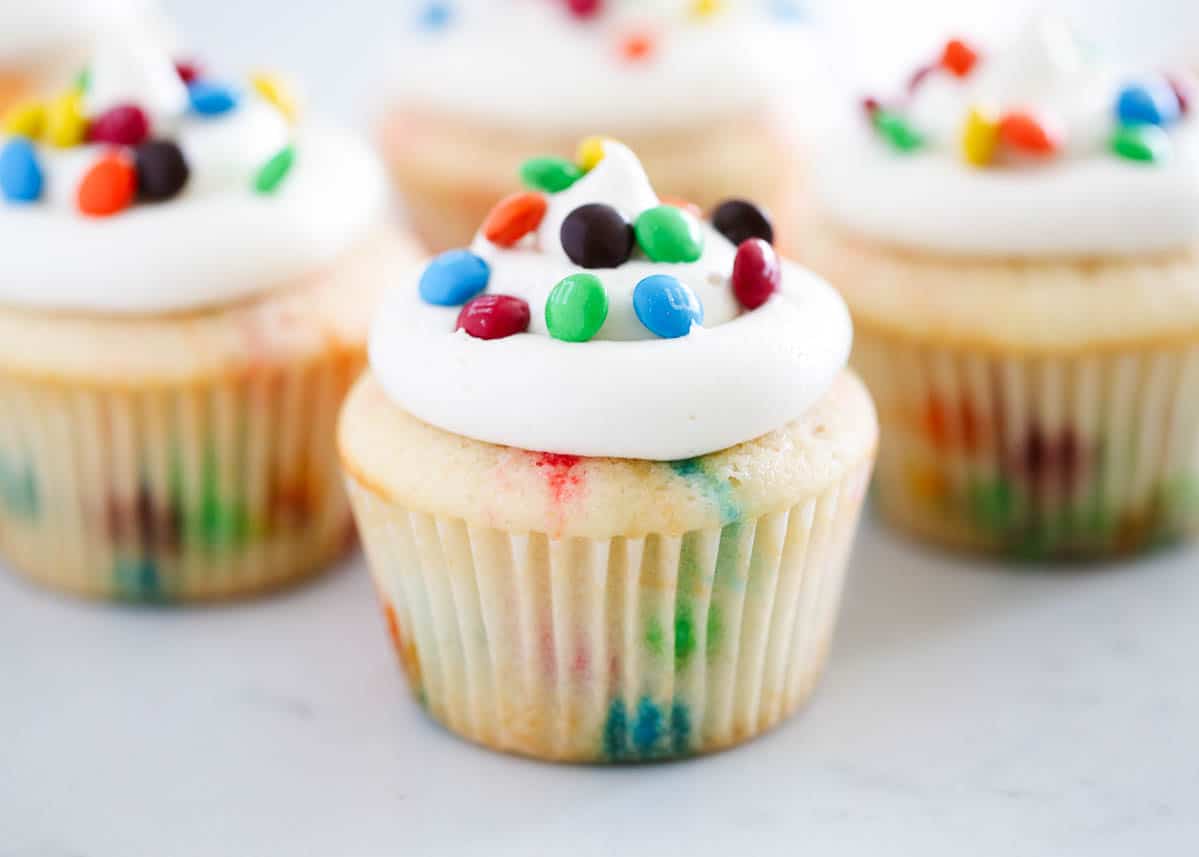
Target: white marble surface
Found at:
x=968, y=710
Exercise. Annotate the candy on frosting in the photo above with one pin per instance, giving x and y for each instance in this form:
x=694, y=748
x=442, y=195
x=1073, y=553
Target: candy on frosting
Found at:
x=244, y=201
x=637, y=359
x=616, y=64
x=1032, y=149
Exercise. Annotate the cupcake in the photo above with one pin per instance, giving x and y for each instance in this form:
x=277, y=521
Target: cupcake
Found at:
x=1017, y=237
x=607, y=466
x=697, y=88
x=184, y=297
x=43, y=42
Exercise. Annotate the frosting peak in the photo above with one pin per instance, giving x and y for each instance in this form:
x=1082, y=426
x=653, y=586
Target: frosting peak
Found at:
x=590, y=318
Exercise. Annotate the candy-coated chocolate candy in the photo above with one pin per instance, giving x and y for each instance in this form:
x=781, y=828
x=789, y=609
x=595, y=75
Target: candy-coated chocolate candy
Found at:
x=108, y=187
x=584, y=8
x=551, y=175
x=757, y=273
x=162, y=170
x=706, y=8
x=980, y=137
x=21, y=178
x=596, y=236
x=435, y=15
x=958, y=58
x=514, y=217
x=26, y=119
x=66, y=125
x=871, y=105
x=689, y=207
x=273, y=172
x=453, y=278
x=494, y=316
x=920, y=75
x=739, y=220
x=590, y=153
x=576, y=308
x=211, y=99
x=667, y=307
x=276, y=91
x=1029, y=134
x=637, y=46
x=669, y=234
x=123, y=125
x=83, y=81
x=1145, y=143
x=188, y=71
x=896, y=131
x=1184, y=90
x=1153, y=102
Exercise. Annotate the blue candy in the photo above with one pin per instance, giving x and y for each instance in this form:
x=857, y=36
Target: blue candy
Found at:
x=435, y=16
x=667, y=307
x=211, y=99
x=21, y=177
x=453, y=278
x=1150, y=103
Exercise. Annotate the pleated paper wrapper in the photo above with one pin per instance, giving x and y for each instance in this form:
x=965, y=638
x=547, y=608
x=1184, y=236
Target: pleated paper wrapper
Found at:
x=1040, y=457
x=175, y=493
x=613, y=650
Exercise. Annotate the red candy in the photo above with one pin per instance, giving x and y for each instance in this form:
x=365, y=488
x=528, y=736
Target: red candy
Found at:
x=514, y=218
x=958, y=57
x=124, y=125
x=1184, y=91
x=494, y=317
x=584, y=8
x=636, y=47
x=757, y=273
x=1025, y=133
x=918, y=77
x=108, y=187
x=871, y=105
x=188, y=71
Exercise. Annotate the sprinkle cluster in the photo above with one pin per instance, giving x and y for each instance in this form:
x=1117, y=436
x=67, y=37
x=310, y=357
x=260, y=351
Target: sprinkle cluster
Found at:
x=635, y=42
x=1141, y=113
x=133, y=163
x=597, y=236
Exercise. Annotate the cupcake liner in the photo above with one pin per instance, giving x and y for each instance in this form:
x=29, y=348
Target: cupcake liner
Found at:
x=612, y=650
x=168, y=493
x=1039, y=456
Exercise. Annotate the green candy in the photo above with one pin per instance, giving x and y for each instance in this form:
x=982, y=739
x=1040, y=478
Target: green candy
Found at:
x=551, y=175
x=669, y=234
x=896, y=131
x=577, y=308
x=1147, y=144
x=274, y=171
x=83, y=80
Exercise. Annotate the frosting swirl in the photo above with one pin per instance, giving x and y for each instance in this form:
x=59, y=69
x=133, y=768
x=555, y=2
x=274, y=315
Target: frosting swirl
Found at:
x=629, y=392
x=140, y=191
x=1035, y=151
x=627, y=66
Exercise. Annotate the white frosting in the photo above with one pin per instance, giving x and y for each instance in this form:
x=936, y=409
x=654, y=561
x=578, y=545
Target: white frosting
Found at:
x=529, y=64
x=215, y=242
x=32, y=29
x=1085, y=201
x=625, y=394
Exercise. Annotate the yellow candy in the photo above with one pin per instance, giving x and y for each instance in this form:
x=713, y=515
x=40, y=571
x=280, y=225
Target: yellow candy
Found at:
x=591, y=152
x=980, y=137
x=66, y=125
x=275, y=90
x=704, y=8
x=26, y=119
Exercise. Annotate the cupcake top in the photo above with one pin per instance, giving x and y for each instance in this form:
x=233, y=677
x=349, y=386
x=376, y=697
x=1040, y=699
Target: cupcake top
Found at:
x=571, y=65
x=591, y=318
x=151, y=187
x=1036, y=149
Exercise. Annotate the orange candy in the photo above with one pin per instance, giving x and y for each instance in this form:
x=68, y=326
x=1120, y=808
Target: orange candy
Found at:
x=1025, y=133
x=637, y=46
x=514, y=217
x=958, y=57
x=108, y=187
x=689, y=207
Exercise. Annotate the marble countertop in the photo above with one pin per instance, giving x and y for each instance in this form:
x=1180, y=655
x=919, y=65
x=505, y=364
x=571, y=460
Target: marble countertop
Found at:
x=968, y=709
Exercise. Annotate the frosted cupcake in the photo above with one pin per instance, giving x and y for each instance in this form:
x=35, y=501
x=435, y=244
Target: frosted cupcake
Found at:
x=1018, y=241
x=44, y=41
x=697, y=88
x=607, y=467
x=184, y=296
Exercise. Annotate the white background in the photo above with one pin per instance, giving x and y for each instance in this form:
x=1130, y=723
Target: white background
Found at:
x=970, y=709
